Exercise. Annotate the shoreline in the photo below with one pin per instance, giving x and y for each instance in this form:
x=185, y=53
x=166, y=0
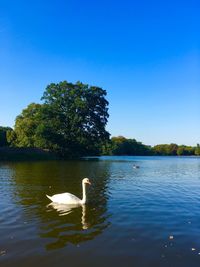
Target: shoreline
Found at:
x=21, y=154
x=36, y=154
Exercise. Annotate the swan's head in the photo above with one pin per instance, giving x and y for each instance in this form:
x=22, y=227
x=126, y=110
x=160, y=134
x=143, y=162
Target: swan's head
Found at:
x=86, y=181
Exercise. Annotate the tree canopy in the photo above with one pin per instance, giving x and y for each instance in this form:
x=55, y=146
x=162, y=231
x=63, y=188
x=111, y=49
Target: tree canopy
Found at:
x=197, y=150
x=25, y=131
x=3, y=136
x=71, y=121
x=173, y=150
x=122, y=146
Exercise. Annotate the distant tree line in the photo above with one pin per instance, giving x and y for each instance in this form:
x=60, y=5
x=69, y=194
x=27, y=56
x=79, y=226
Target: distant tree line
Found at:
x=175, y=150
x=130, y=147
x=71, y=122
x=123, y=146
x=114, y=146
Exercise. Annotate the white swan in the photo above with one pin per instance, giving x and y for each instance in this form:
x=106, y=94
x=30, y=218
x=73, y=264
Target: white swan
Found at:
x=67, y=198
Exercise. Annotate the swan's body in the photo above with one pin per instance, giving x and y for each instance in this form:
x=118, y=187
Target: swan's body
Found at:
x=67, y=198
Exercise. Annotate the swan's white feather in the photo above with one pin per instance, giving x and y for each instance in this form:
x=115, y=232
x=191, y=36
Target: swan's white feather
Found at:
x=65, y=198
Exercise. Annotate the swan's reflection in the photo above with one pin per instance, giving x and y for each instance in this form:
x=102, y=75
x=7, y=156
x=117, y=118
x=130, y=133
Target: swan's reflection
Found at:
x=66, y=209
x=60, y=225
x=73, y=224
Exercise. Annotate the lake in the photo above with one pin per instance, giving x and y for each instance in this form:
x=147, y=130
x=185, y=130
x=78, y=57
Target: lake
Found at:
x=146, y=216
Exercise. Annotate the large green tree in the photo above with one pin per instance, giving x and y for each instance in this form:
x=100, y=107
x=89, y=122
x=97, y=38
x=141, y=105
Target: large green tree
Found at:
x=78, y=115
x=26, y=124
x=71, y=121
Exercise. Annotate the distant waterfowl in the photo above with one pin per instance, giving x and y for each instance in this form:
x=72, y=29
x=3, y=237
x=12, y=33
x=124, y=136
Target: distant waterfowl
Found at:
x=67, y=198
x=136, y=167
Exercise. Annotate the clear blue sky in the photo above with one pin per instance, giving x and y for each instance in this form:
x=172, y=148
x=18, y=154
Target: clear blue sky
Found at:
x=146, y=54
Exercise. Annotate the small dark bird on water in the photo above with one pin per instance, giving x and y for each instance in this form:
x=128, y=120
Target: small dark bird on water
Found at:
x=136, y=167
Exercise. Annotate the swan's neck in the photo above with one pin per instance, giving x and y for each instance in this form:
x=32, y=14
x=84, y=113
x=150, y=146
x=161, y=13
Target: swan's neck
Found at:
x=83, y=201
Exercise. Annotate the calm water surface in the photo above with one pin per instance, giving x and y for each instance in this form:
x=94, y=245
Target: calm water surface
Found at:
x=148, y=216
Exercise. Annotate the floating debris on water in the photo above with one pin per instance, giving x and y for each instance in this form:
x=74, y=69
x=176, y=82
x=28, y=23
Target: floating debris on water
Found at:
x=171, y=237
x=193, y=249
x=2, y=252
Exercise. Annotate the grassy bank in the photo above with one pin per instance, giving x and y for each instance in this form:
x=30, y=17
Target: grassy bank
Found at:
x=17, y=154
